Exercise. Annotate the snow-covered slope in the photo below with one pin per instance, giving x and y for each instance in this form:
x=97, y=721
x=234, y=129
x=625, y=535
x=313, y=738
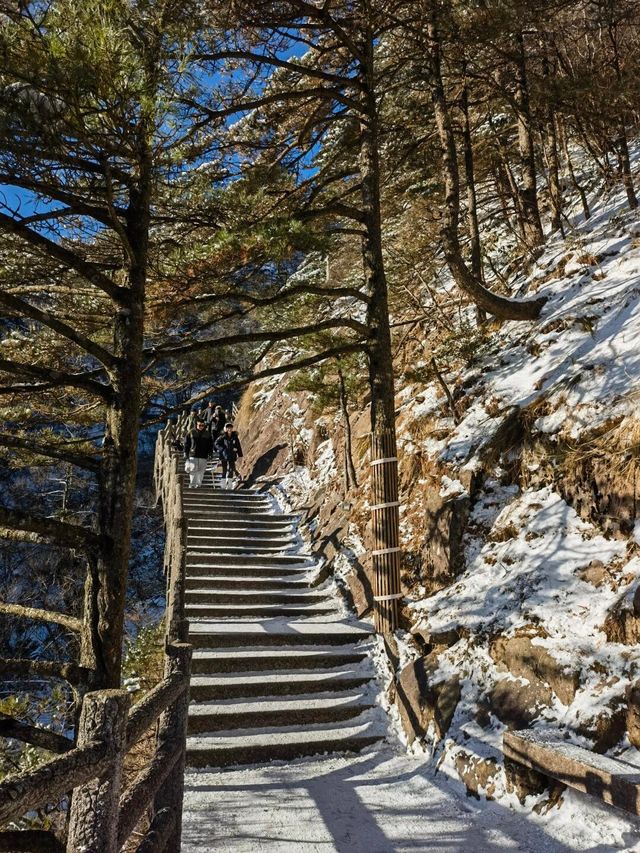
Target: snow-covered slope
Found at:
x=518, y=521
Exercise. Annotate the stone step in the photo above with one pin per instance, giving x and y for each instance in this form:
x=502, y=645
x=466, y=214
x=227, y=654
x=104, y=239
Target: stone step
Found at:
x=251, y=611
x=249, y=540
x=200, y=527
x=240, y=747
x=216, y=494
x=242, y=573
x=240, y=546
x=199, y=516
x=302, y=562
x=216, y=634
x=253, y=596
x=222, y=580
x=243, y=660
x=277, y=683
x=281, y=711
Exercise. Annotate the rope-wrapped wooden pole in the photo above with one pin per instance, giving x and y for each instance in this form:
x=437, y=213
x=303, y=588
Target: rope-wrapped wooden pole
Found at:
x=385, y=526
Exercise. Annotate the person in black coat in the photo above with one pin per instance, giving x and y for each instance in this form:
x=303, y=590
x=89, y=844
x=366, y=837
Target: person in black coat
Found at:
x=198, y=446
x=228, y=446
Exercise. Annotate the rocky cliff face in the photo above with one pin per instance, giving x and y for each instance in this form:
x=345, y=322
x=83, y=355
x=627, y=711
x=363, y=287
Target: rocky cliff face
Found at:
x=521, y=572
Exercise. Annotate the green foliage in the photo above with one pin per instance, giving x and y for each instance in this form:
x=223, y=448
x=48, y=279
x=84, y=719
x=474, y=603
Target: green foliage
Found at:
x=144, y=657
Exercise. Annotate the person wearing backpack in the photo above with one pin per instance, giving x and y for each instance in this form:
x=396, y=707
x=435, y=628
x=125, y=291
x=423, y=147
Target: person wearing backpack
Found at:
x=198, y=446
x=228, y=446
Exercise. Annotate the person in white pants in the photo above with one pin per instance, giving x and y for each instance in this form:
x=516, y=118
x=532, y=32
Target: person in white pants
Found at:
x=198, y=446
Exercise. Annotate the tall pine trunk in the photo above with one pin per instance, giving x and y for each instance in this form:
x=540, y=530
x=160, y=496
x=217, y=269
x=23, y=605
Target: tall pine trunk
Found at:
x=118, y=475
x=385, y=521
x=472, y=200
x=528, y=191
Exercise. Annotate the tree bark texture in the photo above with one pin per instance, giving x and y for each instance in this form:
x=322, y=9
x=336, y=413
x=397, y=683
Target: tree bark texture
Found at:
x=350, y=476
x=528, y=191
x=93, y=820
x=172, y=733
x=118, y=471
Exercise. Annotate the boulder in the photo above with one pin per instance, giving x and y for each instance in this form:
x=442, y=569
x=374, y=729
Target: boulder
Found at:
x=622, y=624
x=633, y=714
x=525, y=659
x=478, y=774
x=425, y=701
x=517, y=702
x=445, y=524
x=607, y=728
x=359, y=589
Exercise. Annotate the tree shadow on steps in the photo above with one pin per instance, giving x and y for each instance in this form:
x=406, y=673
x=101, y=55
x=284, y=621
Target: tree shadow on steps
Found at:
x=375, y=802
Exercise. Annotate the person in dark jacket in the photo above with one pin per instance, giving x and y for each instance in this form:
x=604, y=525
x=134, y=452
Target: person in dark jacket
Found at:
x=228, y=446
x=198, y=446
x=209, y=416
x=218, y=420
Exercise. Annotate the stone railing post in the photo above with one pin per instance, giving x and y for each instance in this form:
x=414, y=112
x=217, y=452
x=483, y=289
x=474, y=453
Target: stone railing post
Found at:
x=173, y=731
x=93, y=820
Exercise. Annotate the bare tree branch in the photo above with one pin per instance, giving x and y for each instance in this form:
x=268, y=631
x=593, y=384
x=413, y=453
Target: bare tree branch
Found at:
x=23, y=668
x=51, y=741
x=256, y=337
x=58, y=377
x=70, y=622
x=51, y=321
x=86, y=269
x=50, y=451
x=23, y=527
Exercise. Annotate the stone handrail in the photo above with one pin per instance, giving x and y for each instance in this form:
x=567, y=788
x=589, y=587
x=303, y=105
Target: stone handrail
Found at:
x=102, y=815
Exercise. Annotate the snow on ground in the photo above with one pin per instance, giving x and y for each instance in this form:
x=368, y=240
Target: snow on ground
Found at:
x=376, y=802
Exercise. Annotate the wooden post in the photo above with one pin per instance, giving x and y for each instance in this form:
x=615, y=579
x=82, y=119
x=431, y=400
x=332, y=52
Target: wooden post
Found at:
x=173, y=731
x=385, y=523
x=93, y=821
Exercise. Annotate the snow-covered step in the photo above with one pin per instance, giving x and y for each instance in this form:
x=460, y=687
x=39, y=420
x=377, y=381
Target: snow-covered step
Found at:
x=221, y=579
x=239, y=546
x=243, y=573
x=213, y=595
x=250, y=611
x=225, y=516
x=276, y=632
x=240, y=660
x=291, y=560
x=280, y=711
x=240, y=525
x=249, y=747
x=276, y=683
x=251, y=538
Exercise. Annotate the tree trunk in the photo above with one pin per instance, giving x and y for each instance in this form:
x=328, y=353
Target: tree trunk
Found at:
x=574, y=180
x=499, y=306
x=350, y=477
x=386, y=553
x=553, y=165
x=118, y=475
x=625, y=166
x=551, y=150
x=528, y=192
x=472, y=201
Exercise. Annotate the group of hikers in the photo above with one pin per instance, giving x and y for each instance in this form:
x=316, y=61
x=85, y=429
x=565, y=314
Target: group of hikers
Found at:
x=210, y=431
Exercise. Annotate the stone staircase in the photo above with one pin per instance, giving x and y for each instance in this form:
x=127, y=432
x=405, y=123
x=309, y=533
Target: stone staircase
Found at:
x=278, y=671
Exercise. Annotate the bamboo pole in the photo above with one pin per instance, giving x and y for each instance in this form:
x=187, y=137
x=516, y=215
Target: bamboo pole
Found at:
x=385, y=527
